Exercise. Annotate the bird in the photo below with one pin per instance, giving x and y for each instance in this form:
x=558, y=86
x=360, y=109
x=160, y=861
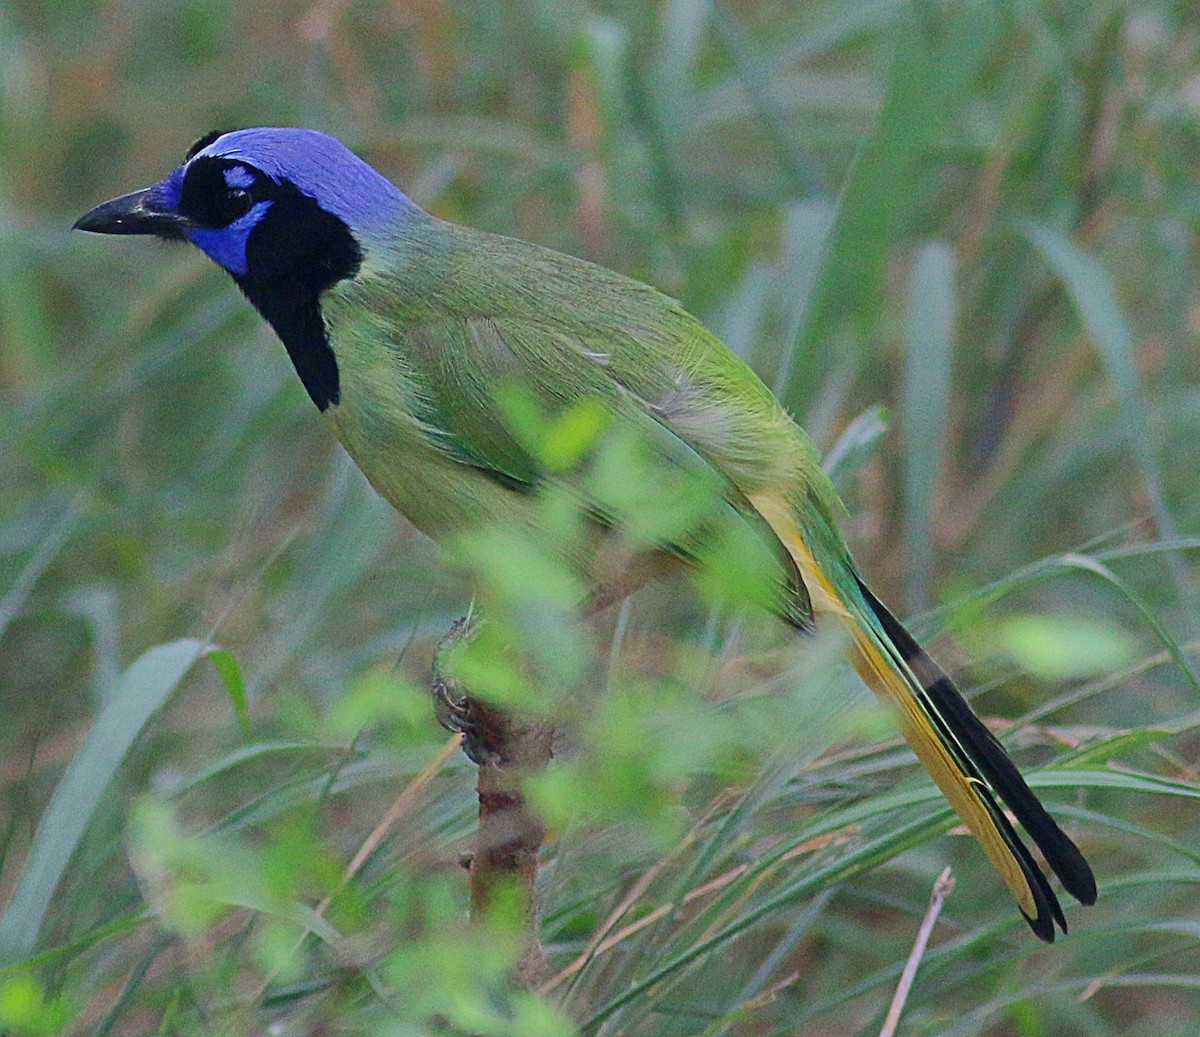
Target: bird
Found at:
x=411, y=336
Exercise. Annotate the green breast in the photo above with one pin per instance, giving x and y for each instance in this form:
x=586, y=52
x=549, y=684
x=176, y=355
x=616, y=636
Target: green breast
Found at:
x=377, y=421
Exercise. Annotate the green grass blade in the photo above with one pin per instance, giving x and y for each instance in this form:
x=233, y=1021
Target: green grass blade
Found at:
x=869, y=854
x=1126, y=780
x=1091, y=289
x=926, y=403
x=122, y=925
x=1141, y=836
x=840, y=24
x=928, y=77
x=136, y=978
x=807, y=229
x=864, y=857
x=47, y=550
x=1046, y=568
x=683, y=25
x=254, y=752
x=1086, y=564
x=802, y=168
x=142, y=691
x=855, y=446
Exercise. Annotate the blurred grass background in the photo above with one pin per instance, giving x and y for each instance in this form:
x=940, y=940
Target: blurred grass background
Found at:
x=958, y=238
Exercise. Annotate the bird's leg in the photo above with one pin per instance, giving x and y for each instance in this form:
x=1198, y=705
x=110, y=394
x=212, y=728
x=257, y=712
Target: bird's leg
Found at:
x=451, y=704
x=507, y=749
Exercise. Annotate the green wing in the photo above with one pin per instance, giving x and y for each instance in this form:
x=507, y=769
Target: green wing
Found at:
x=469, y=369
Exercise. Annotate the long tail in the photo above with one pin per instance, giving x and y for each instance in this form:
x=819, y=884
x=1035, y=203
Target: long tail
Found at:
x=969, y=765
x=971, y=768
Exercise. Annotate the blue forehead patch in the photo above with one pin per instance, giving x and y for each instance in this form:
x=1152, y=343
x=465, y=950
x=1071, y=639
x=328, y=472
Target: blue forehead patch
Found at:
x=166, y=193
x=319, y=166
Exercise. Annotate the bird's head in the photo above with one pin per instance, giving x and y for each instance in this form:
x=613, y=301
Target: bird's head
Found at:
x=288, y=212
x=267, y=204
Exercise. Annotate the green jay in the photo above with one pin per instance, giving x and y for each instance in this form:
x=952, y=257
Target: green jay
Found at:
x=405, y=331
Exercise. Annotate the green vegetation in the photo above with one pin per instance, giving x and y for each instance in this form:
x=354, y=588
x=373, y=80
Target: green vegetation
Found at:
x=957, y=237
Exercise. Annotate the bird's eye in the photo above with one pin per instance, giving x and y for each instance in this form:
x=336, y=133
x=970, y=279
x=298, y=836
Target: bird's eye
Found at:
x=240, y=202
x=216, y=192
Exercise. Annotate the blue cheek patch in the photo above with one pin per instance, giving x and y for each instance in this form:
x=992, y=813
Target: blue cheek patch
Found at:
x=227, y=245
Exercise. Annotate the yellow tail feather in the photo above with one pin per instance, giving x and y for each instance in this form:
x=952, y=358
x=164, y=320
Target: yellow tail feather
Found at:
x=886, y=680
x=882, y=678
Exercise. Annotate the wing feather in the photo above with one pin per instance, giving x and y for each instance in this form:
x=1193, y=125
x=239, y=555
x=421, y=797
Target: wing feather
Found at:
x=469, y=368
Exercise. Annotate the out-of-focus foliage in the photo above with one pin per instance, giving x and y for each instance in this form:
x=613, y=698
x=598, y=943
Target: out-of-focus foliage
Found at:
x=981, y=216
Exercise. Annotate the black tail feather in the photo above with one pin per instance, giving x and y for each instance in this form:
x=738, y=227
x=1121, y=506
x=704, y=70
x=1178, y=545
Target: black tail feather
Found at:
x=994, y=764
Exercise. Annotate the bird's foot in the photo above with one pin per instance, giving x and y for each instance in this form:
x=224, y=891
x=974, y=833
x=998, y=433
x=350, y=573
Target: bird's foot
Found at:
x=453, y=706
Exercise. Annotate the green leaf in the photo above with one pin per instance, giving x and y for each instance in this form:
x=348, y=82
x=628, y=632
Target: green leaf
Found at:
x=231, y=676
x=1046, y=568
x=1059, y=647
